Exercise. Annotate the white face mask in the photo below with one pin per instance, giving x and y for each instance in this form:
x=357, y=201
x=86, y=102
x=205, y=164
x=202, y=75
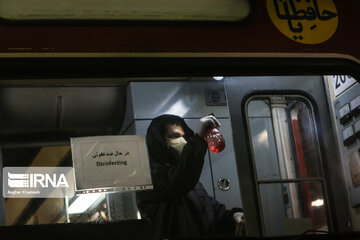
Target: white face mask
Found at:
x=177, y=144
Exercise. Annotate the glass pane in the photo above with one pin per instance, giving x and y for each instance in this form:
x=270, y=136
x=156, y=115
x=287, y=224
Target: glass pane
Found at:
x=283, y=138
x=89, y=208
x=83, y=208
x=304, y=135
x=293, y=208
x=263, y=140
x=37, y=117
x=21, y=211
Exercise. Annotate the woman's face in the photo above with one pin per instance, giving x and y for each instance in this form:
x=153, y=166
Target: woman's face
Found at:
x=174, y=131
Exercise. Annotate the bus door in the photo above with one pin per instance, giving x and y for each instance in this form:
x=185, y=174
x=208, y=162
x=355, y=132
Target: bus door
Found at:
x=289, y=172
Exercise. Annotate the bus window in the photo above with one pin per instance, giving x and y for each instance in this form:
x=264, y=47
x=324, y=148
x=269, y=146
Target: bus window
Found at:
x=280, y=172
x=43, y=139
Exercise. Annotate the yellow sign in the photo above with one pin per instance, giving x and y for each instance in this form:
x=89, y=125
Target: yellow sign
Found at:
x=304, y=21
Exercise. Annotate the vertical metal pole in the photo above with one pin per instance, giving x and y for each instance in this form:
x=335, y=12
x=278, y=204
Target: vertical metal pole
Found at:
x=108, y=207
x=285, y=156
x=67, y=208
x=2, y=199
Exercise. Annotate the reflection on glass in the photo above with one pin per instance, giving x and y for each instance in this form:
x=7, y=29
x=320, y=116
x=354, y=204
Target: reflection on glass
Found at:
x=44, y=211
x=304, y=134
x=285, y=215
x=89, y=208
x=263, y=140
x=84, y=202
x=82, y=208
x=284, y=143
x=283, y=137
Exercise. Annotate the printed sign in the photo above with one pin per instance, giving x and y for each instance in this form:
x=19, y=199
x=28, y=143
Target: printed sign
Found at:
x=38, y=182
x=111, y=163
x=304, y=21
x=341, y=83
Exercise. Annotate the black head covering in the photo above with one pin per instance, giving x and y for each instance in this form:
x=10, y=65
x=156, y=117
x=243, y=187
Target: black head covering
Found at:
x=156, y=143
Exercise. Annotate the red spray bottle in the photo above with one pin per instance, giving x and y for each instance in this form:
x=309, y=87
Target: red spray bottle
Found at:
x=215, y=140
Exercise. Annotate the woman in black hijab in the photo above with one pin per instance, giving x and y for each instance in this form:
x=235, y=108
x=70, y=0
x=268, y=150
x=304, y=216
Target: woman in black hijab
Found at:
x=179, y=205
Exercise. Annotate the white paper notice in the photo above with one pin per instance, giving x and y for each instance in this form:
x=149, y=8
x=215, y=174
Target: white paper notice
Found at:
x=111, y=163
